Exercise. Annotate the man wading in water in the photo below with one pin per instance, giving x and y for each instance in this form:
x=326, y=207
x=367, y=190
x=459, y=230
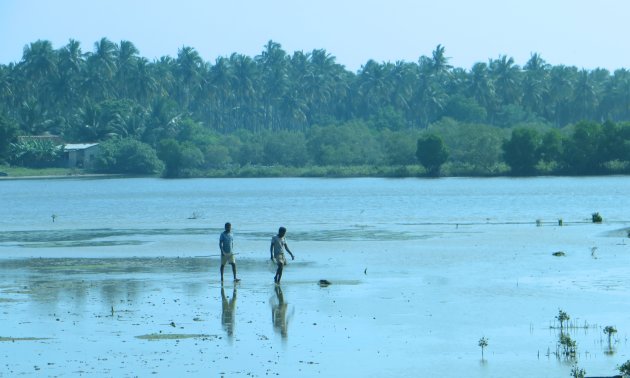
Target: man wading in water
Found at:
x=226, y=244
x=277, y=248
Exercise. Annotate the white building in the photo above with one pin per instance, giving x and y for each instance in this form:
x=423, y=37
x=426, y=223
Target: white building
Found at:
x=80, y=155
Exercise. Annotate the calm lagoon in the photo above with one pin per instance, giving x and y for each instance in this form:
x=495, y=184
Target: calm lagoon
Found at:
x=119, y=277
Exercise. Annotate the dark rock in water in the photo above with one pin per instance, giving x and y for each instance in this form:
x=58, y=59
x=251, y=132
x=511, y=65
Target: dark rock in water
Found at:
x=324, y=283
x=559, y=253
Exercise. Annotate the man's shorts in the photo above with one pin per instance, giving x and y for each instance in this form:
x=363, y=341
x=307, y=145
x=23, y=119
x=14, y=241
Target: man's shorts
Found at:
x=229, y=258
x=280, y=259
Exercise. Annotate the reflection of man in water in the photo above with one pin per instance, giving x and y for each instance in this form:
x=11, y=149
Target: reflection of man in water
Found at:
x=279, y=314
x=228, y=311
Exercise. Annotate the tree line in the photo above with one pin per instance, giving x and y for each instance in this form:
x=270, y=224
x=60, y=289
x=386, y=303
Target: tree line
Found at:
x=187, y=117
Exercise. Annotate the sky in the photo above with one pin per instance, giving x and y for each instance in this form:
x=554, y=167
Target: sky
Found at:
x=583, y=33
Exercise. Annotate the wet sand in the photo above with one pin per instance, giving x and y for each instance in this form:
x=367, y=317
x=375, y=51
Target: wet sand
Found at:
x=394, y=308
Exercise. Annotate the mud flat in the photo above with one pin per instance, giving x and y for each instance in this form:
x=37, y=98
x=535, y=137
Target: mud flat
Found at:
x=392, y=307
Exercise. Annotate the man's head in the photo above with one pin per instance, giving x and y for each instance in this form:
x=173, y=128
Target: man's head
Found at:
x=282, y=231
x=228, y=227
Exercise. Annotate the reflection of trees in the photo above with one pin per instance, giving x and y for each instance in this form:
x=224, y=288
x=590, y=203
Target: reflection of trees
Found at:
x=228, y=310
x=76, y=292
x=279, y=314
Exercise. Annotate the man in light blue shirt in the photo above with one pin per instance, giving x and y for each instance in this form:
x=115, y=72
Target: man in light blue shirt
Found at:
x=226, y=244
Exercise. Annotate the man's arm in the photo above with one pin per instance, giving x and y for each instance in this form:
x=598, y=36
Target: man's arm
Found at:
x=286, y=246
x=271, y=250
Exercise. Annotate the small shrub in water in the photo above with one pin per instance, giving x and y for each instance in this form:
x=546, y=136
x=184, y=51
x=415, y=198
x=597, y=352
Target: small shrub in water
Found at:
x=483, y=343
x=610, y=330
x=562, y=317
x=624, y=369
x=576, y=372
x=569, y=345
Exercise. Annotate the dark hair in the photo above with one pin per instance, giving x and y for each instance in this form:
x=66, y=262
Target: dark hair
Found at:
x=282, y=231
x=228, y=224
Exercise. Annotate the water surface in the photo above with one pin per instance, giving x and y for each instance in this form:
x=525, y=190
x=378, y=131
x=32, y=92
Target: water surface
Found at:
x=123, y=280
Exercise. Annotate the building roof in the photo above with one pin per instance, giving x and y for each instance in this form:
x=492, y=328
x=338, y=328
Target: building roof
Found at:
x=78, y=146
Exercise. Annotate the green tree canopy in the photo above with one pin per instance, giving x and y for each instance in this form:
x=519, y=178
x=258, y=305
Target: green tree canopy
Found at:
x=522, y=151
x=127, y=156
x=431, y=153
x=8, y=134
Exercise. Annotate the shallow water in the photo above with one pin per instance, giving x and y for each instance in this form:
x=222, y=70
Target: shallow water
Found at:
x=124, y=282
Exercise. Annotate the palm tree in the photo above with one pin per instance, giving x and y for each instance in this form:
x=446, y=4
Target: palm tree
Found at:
x=273, y=64
x=101, y=68
x=481, y=87
x=402, y=77
x=560, y=91
x=142, y=85
x=245, y=84
x=126, y=55
x=39, y=61
x=438, y=66
x=39, y=64
x=6, y=87
x=585, y=99
x=71, y=69
x=506, y=76
x=428, y=100
x=534, y=84
x=71, y=58
x=188, y=72
x=618, y=93
x=374, y=89
x=220, y=82
x=293, y=110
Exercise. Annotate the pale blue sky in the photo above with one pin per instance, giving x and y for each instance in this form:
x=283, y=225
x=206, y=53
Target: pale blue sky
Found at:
x=583, y=33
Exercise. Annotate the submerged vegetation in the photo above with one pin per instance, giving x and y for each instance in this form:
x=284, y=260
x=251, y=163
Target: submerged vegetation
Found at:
x=567, y=347
x=304, y=114
x=483, y=343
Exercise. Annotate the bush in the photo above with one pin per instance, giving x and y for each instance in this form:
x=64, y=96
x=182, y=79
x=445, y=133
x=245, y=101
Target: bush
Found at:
x=127, y=156
x=35, y=154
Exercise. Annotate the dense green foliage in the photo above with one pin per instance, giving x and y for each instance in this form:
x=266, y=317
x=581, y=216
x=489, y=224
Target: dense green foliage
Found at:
x=35, y=153
x=304, y=110
x=8, y=133
x=127, y=156
x=431, y=153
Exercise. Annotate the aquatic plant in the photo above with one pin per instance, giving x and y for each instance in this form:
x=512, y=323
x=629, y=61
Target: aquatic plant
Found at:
x=624, y=369
x=562, y=318
x=576, y=372
x=483, y=343
x=569, y=346
x=610, y=330
x=597, y=218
